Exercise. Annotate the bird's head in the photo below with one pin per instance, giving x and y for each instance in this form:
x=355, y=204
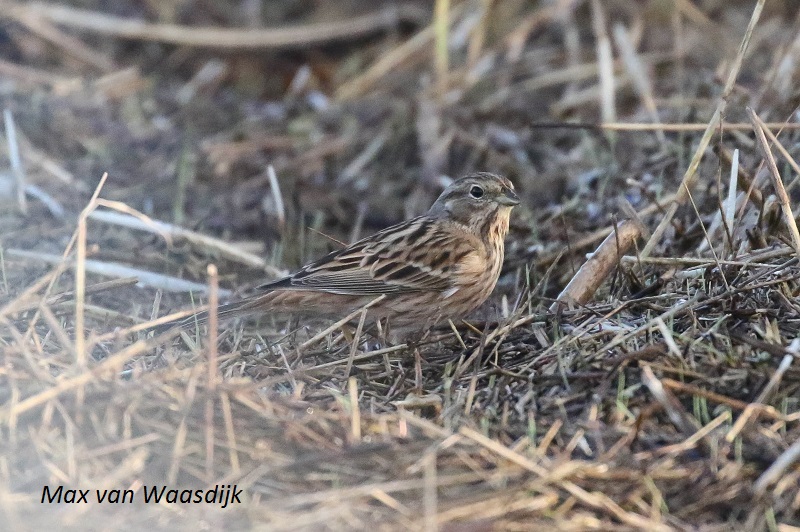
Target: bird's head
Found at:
x=477, y=200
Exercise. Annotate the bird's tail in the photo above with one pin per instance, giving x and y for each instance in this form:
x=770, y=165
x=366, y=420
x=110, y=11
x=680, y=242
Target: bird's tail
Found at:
x=224, y=312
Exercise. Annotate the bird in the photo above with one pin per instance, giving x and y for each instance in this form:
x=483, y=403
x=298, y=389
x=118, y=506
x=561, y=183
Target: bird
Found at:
x=438, y=266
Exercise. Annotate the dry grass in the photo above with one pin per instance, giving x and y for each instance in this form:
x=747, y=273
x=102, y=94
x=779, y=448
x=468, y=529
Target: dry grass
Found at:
x=655, y=386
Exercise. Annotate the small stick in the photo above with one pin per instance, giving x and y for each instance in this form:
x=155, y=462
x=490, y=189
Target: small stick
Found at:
x=61, y=265
x=477, y=36
x=430, y=501
x=16, y=304
x=784, y=153
x=227, y=416
x=355, y=412
x=589, y=277
x=211, y=385
x=677, y=415
x=708, y=238
x=746, y=261
x=766, y=410
x=213, y=325
x=441, y=23
x=113, y=269
x=776, y=378
x=66, y=295
x=121, y=333
x=676, y=128
x=569, y=74
x=128, y=217
x=286, y=37
x=80, y=276
x=605, y=62
x=275, y=189
x=359, y=358
x=730, y=204
x=55, y=208
x=80, y=292
x=27, y=75
x=16, y=160
x=786, y=205
x=356, y=340
x=73, y=46
x=691, y=441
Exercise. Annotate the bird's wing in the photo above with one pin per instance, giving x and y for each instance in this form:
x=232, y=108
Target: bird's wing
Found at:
x=416, y=255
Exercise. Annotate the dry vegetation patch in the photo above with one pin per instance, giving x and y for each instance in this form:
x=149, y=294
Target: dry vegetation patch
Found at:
x=654, y=386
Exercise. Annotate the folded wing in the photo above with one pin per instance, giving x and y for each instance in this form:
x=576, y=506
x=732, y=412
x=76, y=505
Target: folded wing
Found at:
x=418, y=255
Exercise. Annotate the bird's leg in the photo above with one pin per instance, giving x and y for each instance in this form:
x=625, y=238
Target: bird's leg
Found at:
x=417, y=372
x=414, y=341
x=349, y=334
x=293, y=325
x=354, y=337
x=383, y=330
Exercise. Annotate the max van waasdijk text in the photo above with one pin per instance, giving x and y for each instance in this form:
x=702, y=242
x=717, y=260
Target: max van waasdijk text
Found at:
x=222, y=495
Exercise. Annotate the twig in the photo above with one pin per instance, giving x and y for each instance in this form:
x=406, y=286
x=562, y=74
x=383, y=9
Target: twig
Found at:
x=286, y=37
x=227, y=416
x=16, y=160
x=765, y=410
x=725, y=126
x=356, y=340
x=677, y=415
x=784, y=153
x=441, y=23
x=605, y=62
x=355, y=412
x=275, y=189
x=141, y=222
x=113, y=269
x=213, y=325
x=595, y=270
x=52, y=205
x=80, y=275
x=777, y=183
x=569, y=74
x=691, y=441
x=211, y=384
x=92, y=289
x=70, y=44
x=430, y=501
x=28, y=75
x=730, y=203
x=600, y=234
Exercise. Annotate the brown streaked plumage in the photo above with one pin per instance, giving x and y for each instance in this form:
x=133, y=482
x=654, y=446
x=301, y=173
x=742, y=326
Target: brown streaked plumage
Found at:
x=437, y=266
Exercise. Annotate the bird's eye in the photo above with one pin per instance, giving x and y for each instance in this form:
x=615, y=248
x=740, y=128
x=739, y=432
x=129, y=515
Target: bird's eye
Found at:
x=476, y=192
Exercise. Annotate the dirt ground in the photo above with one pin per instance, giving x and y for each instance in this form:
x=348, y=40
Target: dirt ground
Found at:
x=653, y=386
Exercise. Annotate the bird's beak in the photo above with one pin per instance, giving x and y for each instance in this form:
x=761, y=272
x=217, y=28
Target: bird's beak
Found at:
x=509, y=198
